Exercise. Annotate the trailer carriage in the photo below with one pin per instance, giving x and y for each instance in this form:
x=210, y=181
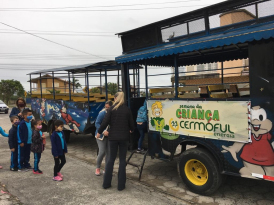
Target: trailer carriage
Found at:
x=54, y=96
x=216, y=114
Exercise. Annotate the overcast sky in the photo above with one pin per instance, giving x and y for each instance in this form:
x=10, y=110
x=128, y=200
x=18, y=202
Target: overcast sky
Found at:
x=84, y=25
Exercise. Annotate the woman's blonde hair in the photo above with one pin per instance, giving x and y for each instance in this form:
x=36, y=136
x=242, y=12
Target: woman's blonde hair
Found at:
x=119, y=100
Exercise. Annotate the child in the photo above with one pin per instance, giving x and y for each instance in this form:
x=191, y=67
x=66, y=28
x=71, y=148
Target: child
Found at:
x=13, y=143
x=59, y=148
x=37, y=144
x=24, y=135
x=2, y=132
x=142, y=125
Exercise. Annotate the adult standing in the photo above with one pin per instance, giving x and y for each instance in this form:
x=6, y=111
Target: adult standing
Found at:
x=102, y=144
x=141, y=125
x=120, y=120
x=20, y=106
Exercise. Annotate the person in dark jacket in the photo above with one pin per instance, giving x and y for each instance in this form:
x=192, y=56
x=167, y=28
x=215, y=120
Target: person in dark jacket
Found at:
x=24, y=136
x=13, y=144
x=20, y=106
x=37, y=144
x=121, y=123
x=58, y=148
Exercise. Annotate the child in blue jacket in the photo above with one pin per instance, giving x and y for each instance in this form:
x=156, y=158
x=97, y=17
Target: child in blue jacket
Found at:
x=24, y=136
x=13, y=144
x=2, y=132
x=141, y=125
x=58, y=148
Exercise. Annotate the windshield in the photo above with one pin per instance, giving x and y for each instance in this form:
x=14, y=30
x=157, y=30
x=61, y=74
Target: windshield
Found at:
x=1, y=102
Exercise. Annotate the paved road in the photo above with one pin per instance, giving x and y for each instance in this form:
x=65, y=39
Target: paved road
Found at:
x=80, y=185
x=163, y=177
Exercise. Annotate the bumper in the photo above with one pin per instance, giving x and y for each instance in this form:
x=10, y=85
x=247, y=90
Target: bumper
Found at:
x=4, y=109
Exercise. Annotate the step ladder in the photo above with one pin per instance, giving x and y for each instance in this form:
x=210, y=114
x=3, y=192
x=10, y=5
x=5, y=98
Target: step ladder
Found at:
x=139, y=166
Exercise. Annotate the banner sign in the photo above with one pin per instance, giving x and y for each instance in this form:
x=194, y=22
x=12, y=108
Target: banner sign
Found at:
x=224, y=120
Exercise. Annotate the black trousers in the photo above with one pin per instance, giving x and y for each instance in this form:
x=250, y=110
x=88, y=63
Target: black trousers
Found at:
x=59, y=163
x=113, y=147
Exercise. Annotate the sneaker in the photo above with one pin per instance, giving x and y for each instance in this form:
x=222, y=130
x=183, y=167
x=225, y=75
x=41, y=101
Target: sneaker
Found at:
x=57, y=178
x=60, y=175
x=97, y=172
x=14, y=169
x=37, y=172
x=1, y=167
x=140, y=150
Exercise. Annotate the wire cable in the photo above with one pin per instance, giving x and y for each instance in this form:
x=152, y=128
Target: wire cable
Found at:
x=102, y=10
x=123, y=5
x=53, y=41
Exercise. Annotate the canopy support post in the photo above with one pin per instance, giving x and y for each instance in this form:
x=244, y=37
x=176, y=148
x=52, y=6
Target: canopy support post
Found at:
x=176, y=77
x=146, y=79
x=88, y=86
x=106, y=84
x=125, y=82
x=53, y=88
x=222, y=64
x=69, y=86
x=41, y=85
x=30, y=84
x=118, y=81
x=100, y=82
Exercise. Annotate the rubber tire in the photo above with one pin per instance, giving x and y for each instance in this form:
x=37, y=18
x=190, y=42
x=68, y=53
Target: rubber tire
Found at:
x=67, y=135
x=6, y=112
x=214, y=176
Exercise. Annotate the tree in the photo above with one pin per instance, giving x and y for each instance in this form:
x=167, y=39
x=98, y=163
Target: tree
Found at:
x=112, y=88
x=94, y=90
x=10, y=88
x=75, y=83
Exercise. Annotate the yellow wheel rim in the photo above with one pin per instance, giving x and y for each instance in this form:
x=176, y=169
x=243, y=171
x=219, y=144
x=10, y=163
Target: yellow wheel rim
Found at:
x=196, y=172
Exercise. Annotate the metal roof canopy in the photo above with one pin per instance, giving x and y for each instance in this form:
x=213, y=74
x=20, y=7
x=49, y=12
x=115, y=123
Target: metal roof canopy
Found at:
x=94, y=67
x=193, y=15
x=229, y=42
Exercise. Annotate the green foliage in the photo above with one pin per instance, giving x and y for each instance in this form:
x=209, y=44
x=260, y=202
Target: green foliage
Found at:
x=75, y=83
x=56, y=91
x=10, y=88
x=112, y=88
x=94, y=90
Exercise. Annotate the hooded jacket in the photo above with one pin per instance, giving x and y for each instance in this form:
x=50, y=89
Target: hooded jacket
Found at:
x=142, y=113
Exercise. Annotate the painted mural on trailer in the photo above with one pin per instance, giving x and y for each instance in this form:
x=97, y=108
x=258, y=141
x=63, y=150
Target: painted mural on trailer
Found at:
x=75, y=116
x=258, y=155
x=253, y=159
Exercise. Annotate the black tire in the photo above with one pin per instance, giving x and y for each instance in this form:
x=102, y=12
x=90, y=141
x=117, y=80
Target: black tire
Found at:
x=6, y=112
x=209, y=182
x=67, y=135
